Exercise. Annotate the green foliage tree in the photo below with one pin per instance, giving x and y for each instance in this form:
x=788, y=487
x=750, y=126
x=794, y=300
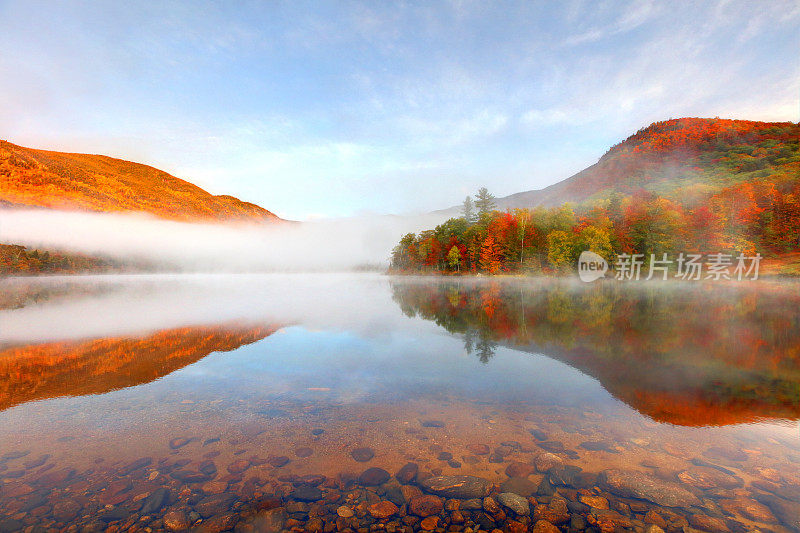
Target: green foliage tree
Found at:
x=454, y=258
x=561, y=248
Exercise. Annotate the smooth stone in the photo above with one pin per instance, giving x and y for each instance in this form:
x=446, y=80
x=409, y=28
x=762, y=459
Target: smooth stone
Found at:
x=597, y=502
x=10, y=456
x=463, y=487
x=218, y=523
x=65, y=510
x=36, y=462
x=306, y=493
x=383, y=509
x=547, y=461
x=190, y=476
x=279, y=461
x=472, y=504
x=700, y=462
x=215, y=487
x=538, y=434
x=237, y=467
x=478, y=449
x=708, y=478
x=303, y=452
x=552, y=446
x=515, y=502
x=632, y=484
x=597, y=446
x=718, y=452
x=269, y=521
x=555, y=512
x=176, y=521
x=179, y=442
x=215, y=504
x=374, y=476
x=155, y=501
x=750, y=509
x=208, y=468
x=407, y=473
x=490, y=505
x=518, y=469
x=519, y=485
x=315, y=480
x=362, y=455
x=430, y=523
x=426, y=505
x=344, y=511
x=543, y=526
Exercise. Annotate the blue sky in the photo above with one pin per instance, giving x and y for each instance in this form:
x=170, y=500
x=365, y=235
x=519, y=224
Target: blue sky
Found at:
x=339, y=108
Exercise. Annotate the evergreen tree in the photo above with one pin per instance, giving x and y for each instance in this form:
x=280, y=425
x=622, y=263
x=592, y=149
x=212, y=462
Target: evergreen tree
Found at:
x=484, y=202
x=468, y=210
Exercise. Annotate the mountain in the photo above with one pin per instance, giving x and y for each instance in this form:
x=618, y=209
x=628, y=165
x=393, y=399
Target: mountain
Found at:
x=678, y=158
x=57, y=180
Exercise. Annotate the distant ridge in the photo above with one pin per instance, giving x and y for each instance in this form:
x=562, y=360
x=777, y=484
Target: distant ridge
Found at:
x=671, y=155
x=83, y=182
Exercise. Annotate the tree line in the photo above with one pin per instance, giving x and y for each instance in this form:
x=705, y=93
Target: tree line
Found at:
x=748, y=218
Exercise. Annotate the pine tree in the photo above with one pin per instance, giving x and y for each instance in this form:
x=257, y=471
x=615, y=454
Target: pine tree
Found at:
x=468, y=210
x=484, y=202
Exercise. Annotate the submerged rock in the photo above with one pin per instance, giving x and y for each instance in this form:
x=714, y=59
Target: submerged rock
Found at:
x=383, y=509
x=709, y=478
x=157, y=499
x=373, y=476
x=426, y=505
x=306, y=493
x=632, y=484
x=408, y=473
x=463, y=487
x=362, y=455
x=515, y=502
x=520, y=485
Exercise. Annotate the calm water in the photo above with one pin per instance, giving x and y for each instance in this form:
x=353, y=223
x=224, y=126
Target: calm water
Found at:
x=276, y=402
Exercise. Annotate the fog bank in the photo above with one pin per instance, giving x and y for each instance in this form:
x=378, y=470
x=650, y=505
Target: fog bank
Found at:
x=333, y=244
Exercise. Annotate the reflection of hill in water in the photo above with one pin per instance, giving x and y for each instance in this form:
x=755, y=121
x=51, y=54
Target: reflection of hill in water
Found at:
x=96, y=366
x=687, y=355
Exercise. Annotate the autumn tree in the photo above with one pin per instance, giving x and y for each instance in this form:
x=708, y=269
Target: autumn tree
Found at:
x=454, y=258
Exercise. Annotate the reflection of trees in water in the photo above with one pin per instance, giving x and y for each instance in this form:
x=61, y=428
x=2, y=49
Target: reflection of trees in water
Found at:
x=479, y=344
x=709, y=352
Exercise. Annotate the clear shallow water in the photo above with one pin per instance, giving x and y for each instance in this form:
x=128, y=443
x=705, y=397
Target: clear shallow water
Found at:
x=686, y=389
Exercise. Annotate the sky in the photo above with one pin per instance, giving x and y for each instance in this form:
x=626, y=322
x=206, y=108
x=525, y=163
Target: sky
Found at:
x=335, y=109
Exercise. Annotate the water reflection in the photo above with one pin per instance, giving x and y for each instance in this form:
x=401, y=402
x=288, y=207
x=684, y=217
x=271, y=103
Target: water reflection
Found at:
x=96, y=366
x=690, y=356
x=335, y=402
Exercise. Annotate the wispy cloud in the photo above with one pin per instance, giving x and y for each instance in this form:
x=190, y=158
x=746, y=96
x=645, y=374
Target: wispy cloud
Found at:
x=346, y=106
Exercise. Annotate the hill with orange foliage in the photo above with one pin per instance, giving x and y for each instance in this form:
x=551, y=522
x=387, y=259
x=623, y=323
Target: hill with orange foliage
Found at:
x=82, y=182
x=75, y=368
x=680, y=158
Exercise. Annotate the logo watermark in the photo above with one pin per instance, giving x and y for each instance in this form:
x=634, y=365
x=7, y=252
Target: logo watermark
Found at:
x=591, y=266
x=685, y=267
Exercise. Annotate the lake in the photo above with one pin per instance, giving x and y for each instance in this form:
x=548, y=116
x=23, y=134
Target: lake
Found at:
x=363, y=402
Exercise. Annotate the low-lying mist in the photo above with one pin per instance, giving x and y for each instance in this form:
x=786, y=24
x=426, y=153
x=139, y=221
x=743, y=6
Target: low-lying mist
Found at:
x=319, y=245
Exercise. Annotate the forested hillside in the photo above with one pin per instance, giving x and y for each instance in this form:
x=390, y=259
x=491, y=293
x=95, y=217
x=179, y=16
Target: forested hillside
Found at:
x=690, y=185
